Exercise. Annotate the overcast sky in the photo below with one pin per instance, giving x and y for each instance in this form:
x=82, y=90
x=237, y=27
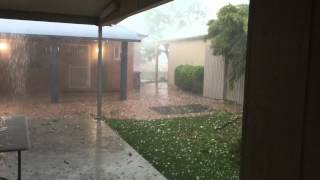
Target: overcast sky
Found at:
x=136, y=22
x=215, y=5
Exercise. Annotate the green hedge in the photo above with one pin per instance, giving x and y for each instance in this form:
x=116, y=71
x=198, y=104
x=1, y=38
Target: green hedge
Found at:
x=190, y=78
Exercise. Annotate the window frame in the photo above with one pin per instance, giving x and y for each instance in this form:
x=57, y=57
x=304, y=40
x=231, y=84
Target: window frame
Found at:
x=117, y=56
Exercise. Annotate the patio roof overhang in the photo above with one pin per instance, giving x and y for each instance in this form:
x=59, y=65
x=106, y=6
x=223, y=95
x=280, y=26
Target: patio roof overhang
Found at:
x=94, y=12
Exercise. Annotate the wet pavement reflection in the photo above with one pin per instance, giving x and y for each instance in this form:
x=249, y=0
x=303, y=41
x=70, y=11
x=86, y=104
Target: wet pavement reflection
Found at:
x=76, y=149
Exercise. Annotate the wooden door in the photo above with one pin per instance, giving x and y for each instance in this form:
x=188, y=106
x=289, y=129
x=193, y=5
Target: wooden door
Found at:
x=79, y=69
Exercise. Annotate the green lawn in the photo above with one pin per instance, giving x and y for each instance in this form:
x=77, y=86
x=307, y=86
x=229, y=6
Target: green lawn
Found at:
x=187, y=148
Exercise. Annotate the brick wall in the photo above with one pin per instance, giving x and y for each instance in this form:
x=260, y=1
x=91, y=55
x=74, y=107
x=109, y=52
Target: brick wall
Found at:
x=39, y=68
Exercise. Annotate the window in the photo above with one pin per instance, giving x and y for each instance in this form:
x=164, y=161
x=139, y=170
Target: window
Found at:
x=117, y=53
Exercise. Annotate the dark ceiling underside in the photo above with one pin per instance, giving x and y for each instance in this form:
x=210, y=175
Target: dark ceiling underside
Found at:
x=95, y=12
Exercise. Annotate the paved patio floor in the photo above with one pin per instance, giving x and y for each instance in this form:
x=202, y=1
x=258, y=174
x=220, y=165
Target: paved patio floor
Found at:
x=77, y=149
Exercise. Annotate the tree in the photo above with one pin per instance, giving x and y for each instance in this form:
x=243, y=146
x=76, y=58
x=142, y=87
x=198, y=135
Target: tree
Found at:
x=170, y=19
x=228, y=36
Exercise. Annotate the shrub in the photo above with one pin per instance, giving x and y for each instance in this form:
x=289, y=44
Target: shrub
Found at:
x=235, y=150
x=189, y=78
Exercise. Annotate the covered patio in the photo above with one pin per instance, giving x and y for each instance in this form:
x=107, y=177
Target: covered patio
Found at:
x=79, y=147
x=99, y=13
x=53, y=58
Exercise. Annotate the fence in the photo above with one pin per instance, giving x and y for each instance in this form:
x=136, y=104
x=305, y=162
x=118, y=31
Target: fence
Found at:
x=215, y=81
x=213, y=77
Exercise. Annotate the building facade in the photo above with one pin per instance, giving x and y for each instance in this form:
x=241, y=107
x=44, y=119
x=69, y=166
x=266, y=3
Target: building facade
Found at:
x=197, y=51
x=40, y=57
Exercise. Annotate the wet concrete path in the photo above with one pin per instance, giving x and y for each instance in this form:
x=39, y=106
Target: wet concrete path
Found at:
x=77, y=149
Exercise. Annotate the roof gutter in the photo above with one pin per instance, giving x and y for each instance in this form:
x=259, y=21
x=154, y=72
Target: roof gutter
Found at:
x=49, y=17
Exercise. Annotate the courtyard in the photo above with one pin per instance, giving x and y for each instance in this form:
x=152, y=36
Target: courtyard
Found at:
x=138, y=106
x=68, y=143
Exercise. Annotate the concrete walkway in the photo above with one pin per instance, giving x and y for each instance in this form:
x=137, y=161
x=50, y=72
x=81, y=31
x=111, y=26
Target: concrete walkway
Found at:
x=79, y=149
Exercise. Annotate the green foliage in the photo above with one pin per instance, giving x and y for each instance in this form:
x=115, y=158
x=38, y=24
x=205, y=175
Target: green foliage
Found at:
x=168, y=19
x=228, y=36
x=186, y=148
x=190, y=78
x=235, y=149
x=197, y=84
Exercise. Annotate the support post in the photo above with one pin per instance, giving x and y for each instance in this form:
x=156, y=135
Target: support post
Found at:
x=157, y=68
x=99, y=74
x=276, y=105
x=124, y=71
x=54, y=76
x=19, y=165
